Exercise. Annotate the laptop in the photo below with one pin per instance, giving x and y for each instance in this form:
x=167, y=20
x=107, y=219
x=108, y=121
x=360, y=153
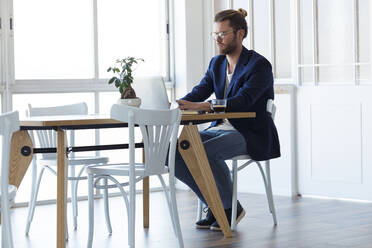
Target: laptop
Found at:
x=152, y=92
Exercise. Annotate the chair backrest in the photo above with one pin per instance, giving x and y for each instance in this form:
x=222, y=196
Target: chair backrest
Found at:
x=271, y=108
x=152, y=92
x=48, y=138
x=9, y=123
x=71, y=109
x=159, y=129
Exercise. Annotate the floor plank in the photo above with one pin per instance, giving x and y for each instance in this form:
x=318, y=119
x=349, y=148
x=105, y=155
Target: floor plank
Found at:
x=302, y=223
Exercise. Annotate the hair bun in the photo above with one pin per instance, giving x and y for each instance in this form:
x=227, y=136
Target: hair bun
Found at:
x=243, y=12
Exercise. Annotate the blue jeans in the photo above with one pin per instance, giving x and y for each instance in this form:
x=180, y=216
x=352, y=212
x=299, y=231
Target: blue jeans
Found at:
x=219, y=145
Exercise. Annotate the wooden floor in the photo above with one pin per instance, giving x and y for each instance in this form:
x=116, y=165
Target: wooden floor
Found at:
x=302, y=223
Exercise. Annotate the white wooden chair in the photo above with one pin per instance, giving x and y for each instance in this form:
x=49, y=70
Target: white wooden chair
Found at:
x=159, y=129
x=47, y=139
x=9, y=123
x=234, y=174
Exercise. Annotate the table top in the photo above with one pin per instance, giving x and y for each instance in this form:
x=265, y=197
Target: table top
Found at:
x=99, y=119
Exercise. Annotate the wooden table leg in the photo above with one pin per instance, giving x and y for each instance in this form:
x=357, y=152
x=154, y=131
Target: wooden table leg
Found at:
x=193, y=153
x=146, y=202
x=146, y=197
x=21, y=153
x=61, y=188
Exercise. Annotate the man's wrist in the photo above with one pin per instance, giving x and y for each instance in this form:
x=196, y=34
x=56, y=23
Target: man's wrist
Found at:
x=208, y=107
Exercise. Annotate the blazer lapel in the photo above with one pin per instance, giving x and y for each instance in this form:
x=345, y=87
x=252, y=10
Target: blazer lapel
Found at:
x=220, y=82
x=238, y=72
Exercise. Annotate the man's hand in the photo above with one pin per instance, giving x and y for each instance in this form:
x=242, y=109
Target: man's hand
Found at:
x=187, y=105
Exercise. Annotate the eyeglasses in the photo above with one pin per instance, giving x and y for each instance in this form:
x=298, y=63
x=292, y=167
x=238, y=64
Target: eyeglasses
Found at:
x=221, y=35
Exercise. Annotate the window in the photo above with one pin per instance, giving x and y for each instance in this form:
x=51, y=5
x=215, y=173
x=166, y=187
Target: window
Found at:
x=53, y=39
x=21, y=101
x=67, y=46
x=283, y=51
x=334, y=38
x=79, y=40
x=335, y=41
x=261, y=27
x=3, y=29
x=123, y=31
x=269, y=32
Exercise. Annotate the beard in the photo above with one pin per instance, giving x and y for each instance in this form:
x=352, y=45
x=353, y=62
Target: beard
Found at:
x=230, y=48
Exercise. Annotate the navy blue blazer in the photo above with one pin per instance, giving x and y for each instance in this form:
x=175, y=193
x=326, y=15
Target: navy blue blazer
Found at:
x=250, y=88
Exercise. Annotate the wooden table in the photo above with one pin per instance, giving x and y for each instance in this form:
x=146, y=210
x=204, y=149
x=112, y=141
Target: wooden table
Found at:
x=190, y=146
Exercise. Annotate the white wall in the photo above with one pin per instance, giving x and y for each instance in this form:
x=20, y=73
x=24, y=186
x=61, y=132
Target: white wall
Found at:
x=334, y=141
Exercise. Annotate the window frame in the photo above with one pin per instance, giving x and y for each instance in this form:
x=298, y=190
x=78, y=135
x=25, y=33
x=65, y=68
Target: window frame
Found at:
x=272, y=35
x=315, y=41
x=9, y=85
x=296, y=42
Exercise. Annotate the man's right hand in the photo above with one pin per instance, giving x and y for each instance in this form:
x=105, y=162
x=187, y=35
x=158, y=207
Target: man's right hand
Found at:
x=187, y=105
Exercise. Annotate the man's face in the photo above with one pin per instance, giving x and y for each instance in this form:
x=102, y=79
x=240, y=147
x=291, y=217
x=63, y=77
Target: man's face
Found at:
x=226, y=41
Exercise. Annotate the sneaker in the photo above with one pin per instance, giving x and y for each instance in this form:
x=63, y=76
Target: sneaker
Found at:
x=239, y=216
x=207, y=222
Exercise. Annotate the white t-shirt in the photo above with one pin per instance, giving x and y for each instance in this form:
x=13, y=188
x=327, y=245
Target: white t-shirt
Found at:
x=225, y=124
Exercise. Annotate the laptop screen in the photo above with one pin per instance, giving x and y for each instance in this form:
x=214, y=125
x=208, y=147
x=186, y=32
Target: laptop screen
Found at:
x=152, y=92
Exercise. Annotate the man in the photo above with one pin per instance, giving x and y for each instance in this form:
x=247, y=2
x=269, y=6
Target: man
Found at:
x=244, y=78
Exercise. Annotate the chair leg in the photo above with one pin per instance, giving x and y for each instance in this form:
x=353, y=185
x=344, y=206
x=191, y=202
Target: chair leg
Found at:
x=33, y=188
x=67, y=236
x=270, y=192
x=90, y=210
x=106, y=207
x=132, y=215
x=267, y=182
x=174, y=212
x=235, y=192
x=7, y=240
x=169, y=203
x=73, y=196
x=34, y=193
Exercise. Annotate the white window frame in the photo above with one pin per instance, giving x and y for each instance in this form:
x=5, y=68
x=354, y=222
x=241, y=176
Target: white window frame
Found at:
x=315, y=39
x=10, y=86
x=272, y=31
x=7, y=58
x=296, y=41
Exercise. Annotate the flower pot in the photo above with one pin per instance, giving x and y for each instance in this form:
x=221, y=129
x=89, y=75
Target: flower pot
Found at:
x=134, y=102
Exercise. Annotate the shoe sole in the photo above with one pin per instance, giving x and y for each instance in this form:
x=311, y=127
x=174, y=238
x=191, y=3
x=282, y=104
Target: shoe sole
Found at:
x=240, y=217
x=202, y=227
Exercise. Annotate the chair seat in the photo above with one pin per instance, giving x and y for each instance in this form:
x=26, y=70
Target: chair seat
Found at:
x=12, y=191
x=241, y=157
x=118, y=169
x=77, y=160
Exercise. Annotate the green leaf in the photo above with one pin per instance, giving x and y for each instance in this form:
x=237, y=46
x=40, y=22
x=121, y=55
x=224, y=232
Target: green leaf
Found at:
x=112, y=80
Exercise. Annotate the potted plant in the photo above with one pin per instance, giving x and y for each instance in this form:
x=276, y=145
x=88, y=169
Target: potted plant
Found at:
x=124, y=79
